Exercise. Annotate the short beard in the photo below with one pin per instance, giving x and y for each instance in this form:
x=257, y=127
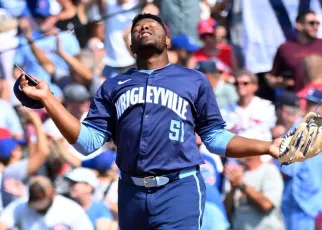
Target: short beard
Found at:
x=308, y=36
x=153, y=47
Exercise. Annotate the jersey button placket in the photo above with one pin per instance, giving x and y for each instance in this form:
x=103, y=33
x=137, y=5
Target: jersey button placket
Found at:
x=145, y=127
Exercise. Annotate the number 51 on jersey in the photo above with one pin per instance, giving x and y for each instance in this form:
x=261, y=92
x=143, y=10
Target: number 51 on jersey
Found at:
x=176, y=131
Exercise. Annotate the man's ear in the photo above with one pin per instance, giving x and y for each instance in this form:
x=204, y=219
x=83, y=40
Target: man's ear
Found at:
x=168, y=42
x=299, y=26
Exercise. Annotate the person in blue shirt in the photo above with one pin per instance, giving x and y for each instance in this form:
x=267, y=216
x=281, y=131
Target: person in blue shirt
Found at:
x=46, y=30
x=302, y=196
x=152, y=113
x=215, y=215
x=83, y=183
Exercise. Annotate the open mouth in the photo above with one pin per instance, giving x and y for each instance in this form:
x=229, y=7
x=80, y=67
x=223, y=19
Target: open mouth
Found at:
x=145, y=34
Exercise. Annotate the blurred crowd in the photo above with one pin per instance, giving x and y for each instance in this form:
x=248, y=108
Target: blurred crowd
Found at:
x=262, y=58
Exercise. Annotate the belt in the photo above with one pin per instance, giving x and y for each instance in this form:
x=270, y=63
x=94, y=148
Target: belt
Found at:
x=158, y=181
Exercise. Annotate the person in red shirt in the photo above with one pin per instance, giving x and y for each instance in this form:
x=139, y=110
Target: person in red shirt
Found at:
x=313, y=77
x=288, y=69
x=221, y=53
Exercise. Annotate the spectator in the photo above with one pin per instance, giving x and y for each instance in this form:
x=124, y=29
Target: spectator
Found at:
x=44, y=210
x=288, y=69
x=10, y=120
x=81, y=66
x=11, y=156
x=83, y=183
x=215, y=216
x=318, y=222
x=118, y=59
x=16, y=8
x=73, y=17
x=254, y=199
x=288, y=111
x=181, y=17
x=184, y=47
x=225, y=93
x=97, y=48
x=313, y=76
x=56, y=167
x=77, y=99
x=222, y=38
x=303, y=191
x=223, y=53
x=106, y=190
x=46, y=27
x=8, y=41
x=251, y=116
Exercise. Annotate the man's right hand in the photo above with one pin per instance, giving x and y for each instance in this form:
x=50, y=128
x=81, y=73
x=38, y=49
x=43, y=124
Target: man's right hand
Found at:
x=38, y=92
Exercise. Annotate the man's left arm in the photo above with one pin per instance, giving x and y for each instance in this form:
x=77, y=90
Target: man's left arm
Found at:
x=211, y=128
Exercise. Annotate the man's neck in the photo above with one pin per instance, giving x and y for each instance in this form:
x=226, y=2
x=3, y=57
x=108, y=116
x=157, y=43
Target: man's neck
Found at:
x=182, y=62
x=301, y=38
x=254, y=165
x=151, y=62
x=245, y=101
x=210, y=49
x=214, y=82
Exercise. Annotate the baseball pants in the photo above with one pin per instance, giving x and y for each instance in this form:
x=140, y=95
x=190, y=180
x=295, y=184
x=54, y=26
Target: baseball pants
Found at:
x=177, y=205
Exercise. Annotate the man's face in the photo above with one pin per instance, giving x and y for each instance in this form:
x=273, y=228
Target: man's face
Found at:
x=208, y=39
x=310, y=26
x=183, y=55
x=221, y=34
x=17, y=153
x=48, y=201
x=78, y=190
x=77, y=108
x=245, y=86
x=148, y=34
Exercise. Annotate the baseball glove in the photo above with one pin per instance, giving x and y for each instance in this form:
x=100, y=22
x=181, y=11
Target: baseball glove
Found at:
x=304, y=142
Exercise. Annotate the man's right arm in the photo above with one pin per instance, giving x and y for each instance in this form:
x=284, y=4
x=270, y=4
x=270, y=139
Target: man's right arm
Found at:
x=100, y=118
x=83, y=136
x=68, y=125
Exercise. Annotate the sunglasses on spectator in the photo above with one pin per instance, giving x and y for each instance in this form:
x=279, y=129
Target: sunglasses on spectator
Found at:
x=244, y=83
x=312, y=23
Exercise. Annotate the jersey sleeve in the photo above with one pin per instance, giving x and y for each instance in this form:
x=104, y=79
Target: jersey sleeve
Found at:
x=208, y=114
x=101, y=115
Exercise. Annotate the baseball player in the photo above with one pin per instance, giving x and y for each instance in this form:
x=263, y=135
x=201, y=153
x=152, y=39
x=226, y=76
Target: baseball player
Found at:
x=152, y=113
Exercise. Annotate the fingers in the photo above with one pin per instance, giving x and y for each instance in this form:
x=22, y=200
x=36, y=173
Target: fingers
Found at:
x=23, y=82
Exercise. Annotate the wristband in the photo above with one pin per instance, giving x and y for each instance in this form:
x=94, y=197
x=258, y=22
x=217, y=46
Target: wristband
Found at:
x=242, y=187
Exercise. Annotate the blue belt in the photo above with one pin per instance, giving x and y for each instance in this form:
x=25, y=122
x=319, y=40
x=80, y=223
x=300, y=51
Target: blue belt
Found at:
x=157, y=181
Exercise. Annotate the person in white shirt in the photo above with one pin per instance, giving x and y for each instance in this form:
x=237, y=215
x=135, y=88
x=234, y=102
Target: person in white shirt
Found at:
x=44, y=210
x=250, y=116
x=117, y=59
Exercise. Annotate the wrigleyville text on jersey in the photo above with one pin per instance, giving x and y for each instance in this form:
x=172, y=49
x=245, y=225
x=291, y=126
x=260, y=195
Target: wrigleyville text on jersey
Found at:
x=155, y=95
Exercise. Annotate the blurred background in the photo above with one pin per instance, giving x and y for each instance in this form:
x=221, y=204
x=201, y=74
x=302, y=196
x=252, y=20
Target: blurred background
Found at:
x=263, y=59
